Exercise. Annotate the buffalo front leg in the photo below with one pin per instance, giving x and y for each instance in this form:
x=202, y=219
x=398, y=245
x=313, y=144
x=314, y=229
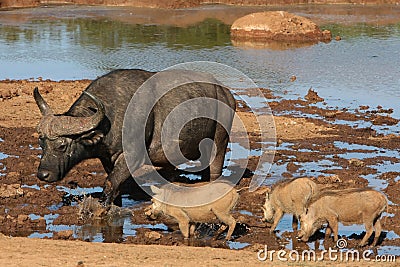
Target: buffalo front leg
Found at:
x=115, y=178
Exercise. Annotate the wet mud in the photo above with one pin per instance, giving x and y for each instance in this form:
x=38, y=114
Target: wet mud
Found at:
x=338, y=148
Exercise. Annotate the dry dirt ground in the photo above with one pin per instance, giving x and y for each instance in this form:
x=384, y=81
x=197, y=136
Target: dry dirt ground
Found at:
x=300, y=140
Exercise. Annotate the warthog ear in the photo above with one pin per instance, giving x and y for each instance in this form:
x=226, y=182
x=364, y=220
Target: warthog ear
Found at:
x=155, y=189
x=91, y=138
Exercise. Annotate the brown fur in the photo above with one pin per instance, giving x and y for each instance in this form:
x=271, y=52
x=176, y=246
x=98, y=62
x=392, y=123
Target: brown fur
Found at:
x=289, y=196
x=185, y=216
x=349, y=206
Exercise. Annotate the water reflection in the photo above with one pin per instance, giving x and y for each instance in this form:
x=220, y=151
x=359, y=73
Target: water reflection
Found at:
x=79, y=45
x=109, y=35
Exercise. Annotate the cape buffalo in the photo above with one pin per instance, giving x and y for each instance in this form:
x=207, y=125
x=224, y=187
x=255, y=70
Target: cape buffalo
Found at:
x=92, y=127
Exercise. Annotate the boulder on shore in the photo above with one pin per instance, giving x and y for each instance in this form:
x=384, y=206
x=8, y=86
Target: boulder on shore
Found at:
x=277, y=26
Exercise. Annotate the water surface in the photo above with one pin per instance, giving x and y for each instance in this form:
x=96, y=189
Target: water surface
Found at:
x=85, y=42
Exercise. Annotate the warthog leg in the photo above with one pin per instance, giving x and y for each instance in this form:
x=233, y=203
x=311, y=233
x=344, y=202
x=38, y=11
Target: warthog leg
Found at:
x=378, y=230
x=183, y=221
x=328, y=232
x=295, y=223
x=228, y=220
x=192, y=229
x=369, y=229
x=220, y=231
x=333, y=224
x=277, y=217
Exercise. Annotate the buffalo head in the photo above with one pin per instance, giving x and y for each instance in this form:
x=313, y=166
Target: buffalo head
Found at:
x=64, y=138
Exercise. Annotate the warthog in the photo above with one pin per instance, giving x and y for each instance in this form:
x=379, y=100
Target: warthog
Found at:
x=185, y=216
x=288, y=197
x=349, y=206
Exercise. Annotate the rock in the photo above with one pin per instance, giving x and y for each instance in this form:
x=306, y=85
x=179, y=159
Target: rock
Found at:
x=292, y=167
x=384, y=120
x=356, y=162
x=65, y=234
x=22, y=218
x=11, y=191
x=40, y=223
x=329, y=179
x=277, y=26
x=153, y=235
x=313, y=97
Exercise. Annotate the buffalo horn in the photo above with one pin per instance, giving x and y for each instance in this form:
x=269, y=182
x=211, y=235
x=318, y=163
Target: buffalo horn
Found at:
x=69, y=125
x=42, y=104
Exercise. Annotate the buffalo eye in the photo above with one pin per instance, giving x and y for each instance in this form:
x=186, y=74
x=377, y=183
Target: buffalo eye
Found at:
x=62, y=146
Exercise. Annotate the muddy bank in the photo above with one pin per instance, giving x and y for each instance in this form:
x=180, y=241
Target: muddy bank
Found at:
x=313, y=139
x=176, y=4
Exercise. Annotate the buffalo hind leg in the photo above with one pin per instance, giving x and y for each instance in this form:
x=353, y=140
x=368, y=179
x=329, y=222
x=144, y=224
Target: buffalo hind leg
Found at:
x=218, y=163
x=206, y=149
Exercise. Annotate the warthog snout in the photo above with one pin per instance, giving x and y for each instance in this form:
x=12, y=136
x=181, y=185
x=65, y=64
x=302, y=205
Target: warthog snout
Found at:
x=151, y=213
x=148, y=211
x=302, y=236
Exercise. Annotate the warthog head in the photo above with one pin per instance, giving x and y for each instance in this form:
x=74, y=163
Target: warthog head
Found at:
x=155, y=210
x=268, y=209
x=65, y=139
x=309, y=225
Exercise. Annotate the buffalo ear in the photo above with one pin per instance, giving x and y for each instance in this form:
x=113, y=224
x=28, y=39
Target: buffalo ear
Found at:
x=91, y=138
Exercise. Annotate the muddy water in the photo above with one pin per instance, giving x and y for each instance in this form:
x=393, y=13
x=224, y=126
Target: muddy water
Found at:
x=73, y=43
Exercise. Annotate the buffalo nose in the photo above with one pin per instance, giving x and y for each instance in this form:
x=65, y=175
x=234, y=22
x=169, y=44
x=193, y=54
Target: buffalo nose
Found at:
x=42, y=175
